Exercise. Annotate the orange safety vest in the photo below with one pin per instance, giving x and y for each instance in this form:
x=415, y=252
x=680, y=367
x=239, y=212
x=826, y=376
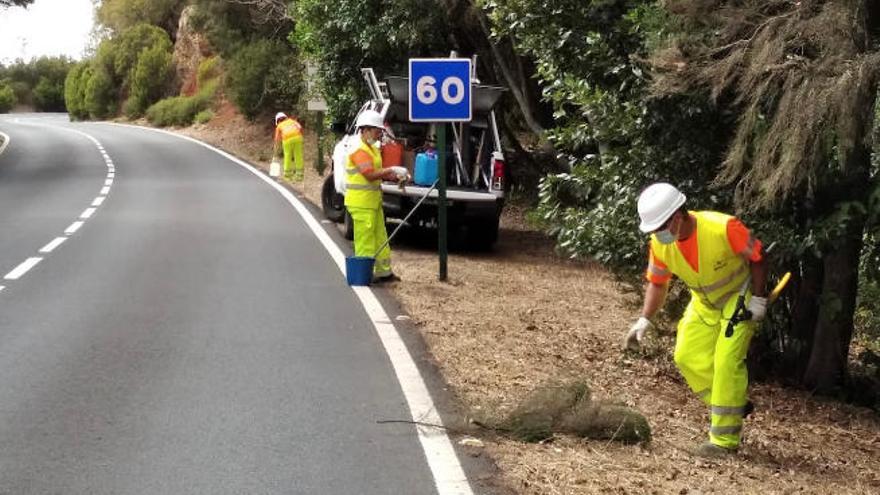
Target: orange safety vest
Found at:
x=721, y=271
x=287, y=129
x=359, y=191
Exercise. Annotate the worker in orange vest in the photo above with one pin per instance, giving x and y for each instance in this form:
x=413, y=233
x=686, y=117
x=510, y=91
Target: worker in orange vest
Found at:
x=717, y=257
x=289, y=132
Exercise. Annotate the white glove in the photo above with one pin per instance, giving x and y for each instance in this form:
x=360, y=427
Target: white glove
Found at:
x=758, y=307
x=635, y=334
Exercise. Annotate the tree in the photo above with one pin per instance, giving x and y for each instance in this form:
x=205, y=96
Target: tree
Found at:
x=150, y=78
x=7, y=97
x=802, y=79
x=343, y=36
x=263, y=75
x=120, y=15
x=74, y=90
x=15, y=3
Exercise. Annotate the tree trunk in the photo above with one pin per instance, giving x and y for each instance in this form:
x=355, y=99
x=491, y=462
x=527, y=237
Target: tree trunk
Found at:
x=827, y=366
x=804, y=314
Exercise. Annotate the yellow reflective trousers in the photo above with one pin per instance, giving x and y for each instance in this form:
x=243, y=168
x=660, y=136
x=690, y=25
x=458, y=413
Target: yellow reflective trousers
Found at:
x=369, y=234
x=714, y=366
x=293, y=152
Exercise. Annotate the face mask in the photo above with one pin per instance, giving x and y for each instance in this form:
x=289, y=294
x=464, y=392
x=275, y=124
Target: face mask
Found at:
x=665, y=237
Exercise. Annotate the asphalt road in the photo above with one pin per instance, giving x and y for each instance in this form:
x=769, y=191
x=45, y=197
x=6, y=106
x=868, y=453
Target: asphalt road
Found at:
x=190, y=336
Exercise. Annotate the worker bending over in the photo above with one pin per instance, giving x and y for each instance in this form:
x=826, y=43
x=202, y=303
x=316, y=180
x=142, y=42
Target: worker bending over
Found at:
x=714, y=255
x=288, y=131
x=363, y=195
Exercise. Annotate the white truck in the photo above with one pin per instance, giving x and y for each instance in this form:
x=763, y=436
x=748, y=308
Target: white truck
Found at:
x=474, y=165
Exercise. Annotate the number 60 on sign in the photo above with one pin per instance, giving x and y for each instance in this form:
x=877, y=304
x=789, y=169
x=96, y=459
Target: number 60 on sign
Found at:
x=440, y=90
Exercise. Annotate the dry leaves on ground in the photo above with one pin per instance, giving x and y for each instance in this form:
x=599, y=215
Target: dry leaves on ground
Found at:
x=516, y=317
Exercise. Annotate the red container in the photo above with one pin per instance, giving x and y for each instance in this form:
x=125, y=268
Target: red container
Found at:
x=392, y=154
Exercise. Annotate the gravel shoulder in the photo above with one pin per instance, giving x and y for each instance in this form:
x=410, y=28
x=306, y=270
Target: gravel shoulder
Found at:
x=513, y=318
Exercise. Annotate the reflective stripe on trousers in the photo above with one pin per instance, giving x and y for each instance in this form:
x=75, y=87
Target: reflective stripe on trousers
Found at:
x=369, y=234
x=293, y=156
x=714, y=367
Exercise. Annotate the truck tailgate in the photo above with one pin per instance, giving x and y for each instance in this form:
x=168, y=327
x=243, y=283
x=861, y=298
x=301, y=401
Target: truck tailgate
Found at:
x=452, y=194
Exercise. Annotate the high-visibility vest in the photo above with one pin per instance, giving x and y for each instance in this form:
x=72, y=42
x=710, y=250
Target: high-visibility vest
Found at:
x=289, y=128
x=721, y=271
x=359, y=191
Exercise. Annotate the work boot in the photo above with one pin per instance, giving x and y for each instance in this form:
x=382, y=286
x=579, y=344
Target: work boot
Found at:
x=709, y=450
x=386, y=278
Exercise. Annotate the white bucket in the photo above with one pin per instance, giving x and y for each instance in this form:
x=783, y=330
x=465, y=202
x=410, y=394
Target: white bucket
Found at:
x=275, y=168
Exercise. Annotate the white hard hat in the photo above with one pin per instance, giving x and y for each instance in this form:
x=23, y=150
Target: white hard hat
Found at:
x=280, y=116
x=370, y=118
x=657, y=203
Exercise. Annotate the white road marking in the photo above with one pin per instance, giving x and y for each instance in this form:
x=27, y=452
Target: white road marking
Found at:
x=29, y=263
x=111, y=175
x=73, y=227
x=5, y=141
x=48, y=248
x=449, y=477
x=22, y=268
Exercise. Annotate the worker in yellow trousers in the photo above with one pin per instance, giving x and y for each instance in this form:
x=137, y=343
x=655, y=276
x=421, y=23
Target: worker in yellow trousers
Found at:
x=363, y=195
x=288, y=131
x=715, y=255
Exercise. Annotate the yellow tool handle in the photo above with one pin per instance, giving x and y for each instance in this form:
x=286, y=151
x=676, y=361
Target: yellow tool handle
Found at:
x=779, y=286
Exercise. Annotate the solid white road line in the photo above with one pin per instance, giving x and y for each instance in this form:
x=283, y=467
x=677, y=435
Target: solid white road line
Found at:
x=48, y=248
x=22, y=268
x=5, y=141
x=99, y=200
x=73, y=227
x=449, y=477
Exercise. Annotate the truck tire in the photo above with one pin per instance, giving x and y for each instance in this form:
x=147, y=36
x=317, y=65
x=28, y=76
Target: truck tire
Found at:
x=331, y=201
x=482, y=234
x=347, y=226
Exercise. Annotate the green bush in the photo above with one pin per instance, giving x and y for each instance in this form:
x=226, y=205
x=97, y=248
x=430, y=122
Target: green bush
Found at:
x=100, y=94
x=49, y=95
x=204, y=117
x=150, y=79
x=263, y=75
x=7, y=98
x=74, y=91
x=209, y=69
x=181, y=110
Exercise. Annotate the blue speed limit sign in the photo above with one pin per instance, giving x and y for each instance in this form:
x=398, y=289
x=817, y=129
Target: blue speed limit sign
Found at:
x=439, y=90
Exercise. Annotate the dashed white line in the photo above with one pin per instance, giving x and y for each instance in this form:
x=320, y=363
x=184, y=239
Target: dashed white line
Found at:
x=106, y=189
x=99, y=200
x=111, y=175
x=88, y=212
x=22, y=268
x=48, y=248
x=73, y=227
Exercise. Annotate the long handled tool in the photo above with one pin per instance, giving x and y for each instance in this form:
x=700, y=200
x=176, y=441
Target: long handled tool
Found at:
x=413, y=210
x=741, y=313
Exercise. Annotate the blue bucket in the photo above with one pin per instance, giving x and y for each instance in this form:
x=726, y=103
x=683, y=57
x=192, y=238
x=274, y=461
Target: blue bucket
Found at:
x=359, y=270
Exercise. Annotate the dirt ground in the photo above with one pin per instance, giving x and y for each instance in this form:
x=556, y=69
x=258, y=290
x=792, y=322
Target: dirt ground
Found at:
x=513, y=318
